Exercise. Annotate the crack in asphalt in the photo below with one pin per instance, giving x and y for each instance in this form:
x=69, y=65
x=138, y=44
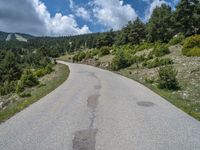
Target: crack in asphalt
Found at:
x=86, y=139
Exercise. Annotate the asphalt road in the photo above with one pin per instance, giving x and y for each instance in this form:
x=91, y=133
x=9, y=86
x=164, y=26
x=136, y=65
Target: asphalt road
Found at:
x=97, y=109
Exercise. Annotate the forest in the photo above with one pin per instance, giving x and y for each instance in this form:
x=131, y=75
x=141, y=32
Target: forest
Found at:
x=22, y=63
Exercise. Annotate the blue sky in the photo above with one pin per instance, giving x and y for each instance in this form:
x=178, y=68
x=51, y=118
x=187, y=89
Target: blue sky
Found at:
x=70, y=17
x=63, y=6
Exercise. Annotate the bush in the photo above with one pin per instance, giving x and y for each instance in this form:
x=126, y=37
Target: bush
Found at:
x=192, y=52
x=157, y=62
x=143, y=46
x=167, y=78
x=43, y=71
x=191, y=46
x=79, y=57
x=104, y=51
x=7, y=88
x=191, y=42
x=177, y=39
x=119, y=61
x=161, y=50
x=28, y=79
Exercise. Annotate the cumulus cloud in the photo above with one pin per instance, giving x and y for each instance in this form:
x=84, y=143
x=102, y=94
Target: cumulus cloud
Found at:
x=32, y=16
x=113, y=13
x=20, y=16
x=83, y=13
x=80, y=11
x=152, y=5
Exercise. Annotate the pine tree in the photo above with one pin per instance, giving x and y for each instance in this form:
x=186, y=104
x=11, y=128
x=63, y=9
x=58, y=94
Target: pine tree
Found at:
x=159, y=27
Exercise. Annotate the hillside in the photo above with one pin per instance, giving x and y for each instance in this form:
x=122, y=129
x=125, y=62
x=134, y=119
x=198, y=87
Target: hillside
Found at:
x=4, y=36
x=143, y=64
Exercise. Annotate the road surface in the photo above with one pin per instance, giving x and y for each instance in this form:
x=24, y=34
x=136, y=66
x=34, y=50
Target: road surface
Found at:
x=99, y=110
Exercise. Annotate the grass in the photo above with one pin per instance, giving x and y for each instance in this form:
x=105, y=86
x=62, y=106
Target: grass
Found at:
x=38, y=93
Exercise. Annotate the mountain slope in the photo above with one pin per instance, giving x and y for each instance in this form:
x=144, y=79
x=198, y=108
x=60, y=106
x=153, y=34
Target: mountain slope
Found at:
x=4, y=36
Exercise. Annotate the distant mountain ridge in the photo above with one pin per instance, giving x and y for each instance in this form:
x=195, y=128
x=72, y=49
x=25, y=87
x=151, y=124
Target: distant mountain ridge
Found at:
x=4, y=36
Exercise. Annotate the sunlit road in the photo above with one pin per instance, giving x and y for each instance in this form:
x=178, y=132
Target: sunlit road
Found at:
x=97, y=109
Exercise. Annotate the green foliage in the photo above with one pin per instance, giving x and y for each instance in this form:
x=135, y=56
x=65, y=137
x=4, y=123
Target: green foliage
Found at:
x=192, y=52
x=192, y=41
x=160, y=50
x=167, y=78
x=191, y=46
x=149, y=80
x=157, y=62
x=160, y=25
x=106, y=40
x=119, y=61
x=79, y=56
x=28, y=79
x=24, y=94
x=177, y=39
x=104, y=51
x=43, y=71
x=133, y=33
x=7, y=87
x=187, y=17
x=144, y=46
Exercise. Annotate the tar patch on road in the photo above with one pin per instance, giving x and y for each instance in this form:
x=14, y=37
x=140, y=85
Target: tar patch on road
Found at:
x=85, y=140
x=145, y=104
x=92, y=103
x=97, y=87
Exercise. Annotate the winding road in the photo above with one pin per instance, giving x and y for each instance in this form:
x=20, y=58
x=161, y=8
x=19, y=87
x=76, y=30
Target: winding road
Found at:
x=99, y=110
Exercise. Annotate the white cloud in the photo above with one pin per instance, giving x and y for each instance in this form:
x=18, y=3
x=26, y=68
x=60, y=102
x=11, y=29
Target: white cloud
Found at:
x=36, y=19
x=79, y=11
x=59, y=24
x=113, y=13
x=152, y=6
x=65, y=24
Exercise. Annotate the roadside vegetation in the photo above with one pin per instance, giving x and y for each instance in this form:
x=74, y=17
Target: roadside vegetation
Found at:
x=33, y=91
x=162, y=54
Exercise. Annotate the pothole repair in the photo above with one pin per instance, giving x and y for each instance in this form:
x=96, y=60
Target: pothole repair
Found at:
x=85, y=140
x=145, y=104
x=92, y=103
x=97, y=87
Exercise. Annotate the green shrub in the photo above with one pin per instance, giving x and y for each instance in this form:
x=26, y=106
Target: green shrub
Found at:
x=157, y=62
x=28, y=79
x=144, y=46
x=43, y=71
x=167, y=78
x=7, y=88
x=191, y=42
x=149, y=80
x=161, y=50
x=177, y=39
x=19, y=87
x=191, y=46
x=104, y=51
x=88, y=55
x=192, y=52
x=81, y=56
x=24, y=94
x=119, y=61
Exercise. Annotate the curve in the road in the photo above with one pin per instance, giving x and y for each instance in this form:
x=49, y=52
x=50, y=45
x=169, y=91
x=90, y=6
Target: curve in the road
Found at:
x=97, y=109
